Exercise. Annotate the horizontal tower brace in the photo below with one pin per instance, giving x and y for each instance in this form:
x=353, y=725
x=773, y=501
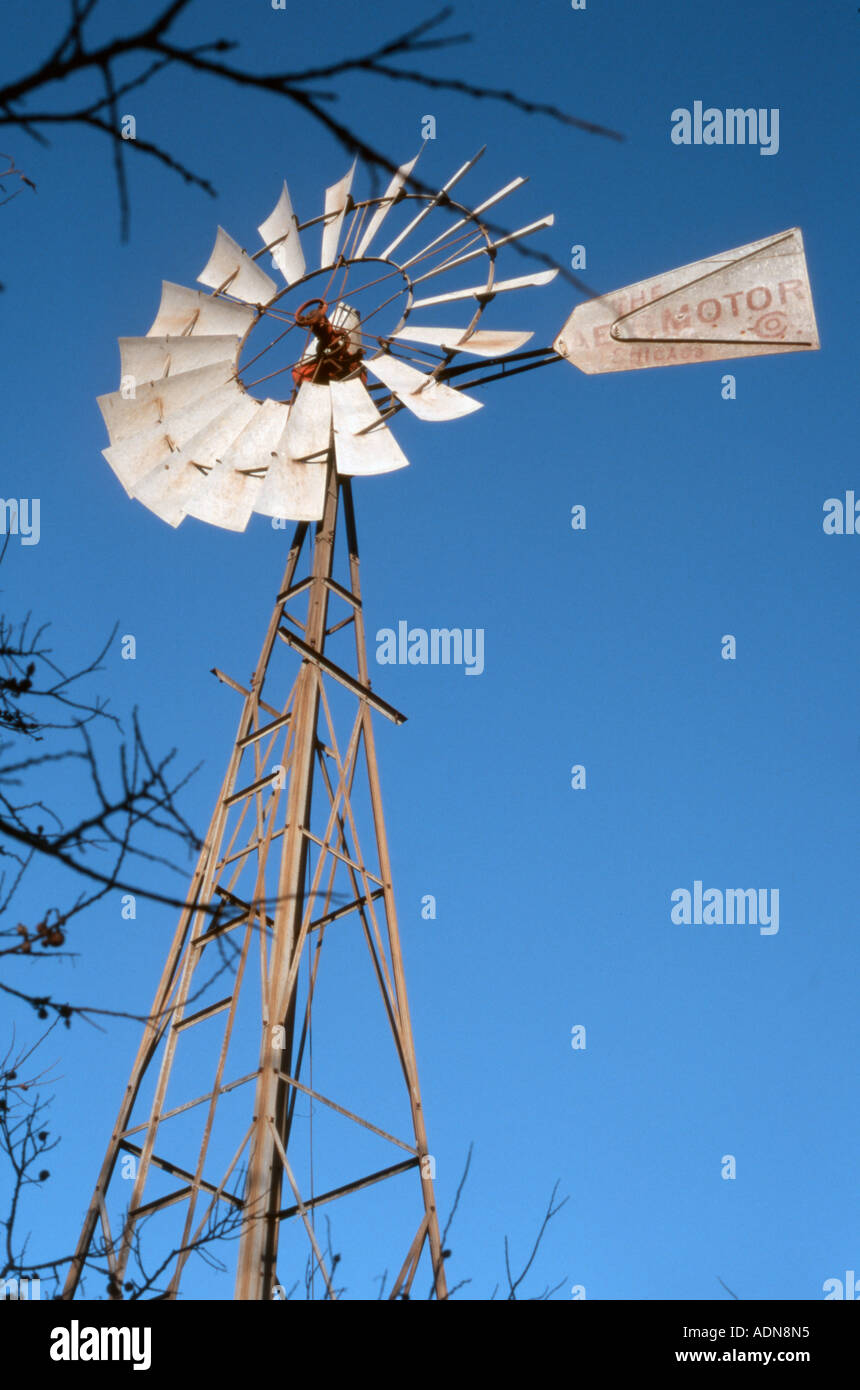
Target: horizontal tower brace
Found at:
x=178, y=1173
x=362, y=691
x=356, y=1186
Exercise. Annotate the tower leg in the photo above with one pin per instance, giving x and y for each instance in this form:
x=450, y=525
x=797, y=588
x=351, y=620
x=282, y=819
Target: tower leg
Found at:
x=249, y=891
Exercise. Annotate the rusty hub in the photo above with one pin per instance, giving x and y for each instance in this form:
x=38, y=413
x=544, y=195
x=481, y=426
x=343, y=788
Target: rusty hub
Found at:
x=336, y=358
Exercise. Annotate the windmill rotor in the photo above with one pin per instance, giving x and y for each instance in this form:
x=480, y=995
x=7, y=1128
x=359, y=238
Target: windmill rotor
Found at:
x=338, y=348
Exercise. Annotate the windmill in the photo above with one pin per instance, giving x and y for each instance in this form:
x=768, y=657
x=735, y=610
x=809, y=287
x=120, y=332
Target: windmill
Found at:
x=270, y=397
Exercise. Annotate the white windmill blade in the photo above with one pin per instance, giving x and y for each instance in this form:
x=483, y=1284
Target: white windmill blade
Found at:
x=258, y=441
x=183, y=311
x=336, y=200
x=231, y=491
x=126, y=415
x=282, y=226
x=292, y=491
x=168, y=489
x=361, y=449
x=388, y=200
x=426, y=397
x=434, y=202
x=485, y=342
x=227, y=498
x=148, y=359
x=464, y=221
x=232, y=270
x=444, y=266
x=540, y=277
x=132, y=458
x=308, y=431
x=175, y=485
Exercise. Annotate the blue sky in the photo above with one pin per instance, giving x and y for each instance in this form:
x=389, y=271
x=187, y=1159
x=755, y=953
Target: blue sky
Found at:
x=602, y=647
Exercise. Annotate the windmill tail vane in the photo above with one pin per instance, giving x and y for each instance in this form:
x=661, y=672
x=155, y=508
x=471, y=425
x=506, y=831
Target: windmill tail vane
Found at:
x=251, y=1103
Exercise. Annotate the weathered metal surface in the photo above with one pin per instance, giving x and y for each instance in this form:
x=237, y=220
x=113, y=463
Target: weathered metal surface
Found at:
x=232, y=269
x=253, y=448
x=282, y=222
x=485, y=342
x=156, y=400
x=176, y=483
x=540, y=277
x=747, y=302
x=132, y=458
x=183, y=310
x=167, y=489
x=336, y=199
x=290, y=490
x=308, y=431
x=230, y=494
x=357, y=453
x=147, y=359
x=426, y=397
x=227, y=497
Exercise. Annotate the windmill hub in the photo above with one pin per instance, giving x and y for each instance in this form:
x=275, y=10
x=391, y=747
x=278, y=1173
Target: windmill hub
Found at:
x=337, y=357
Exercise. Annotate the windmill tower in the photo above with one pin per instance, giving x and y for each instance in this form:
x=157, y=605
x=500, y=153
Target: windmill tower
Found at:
x=296, y=853
x=295, y=864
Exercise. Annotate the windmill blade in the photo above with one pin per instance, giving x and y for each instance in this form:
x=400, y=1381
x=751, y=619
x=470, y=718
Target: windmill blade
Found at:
x=231, y=491
x=434, y=202
x=336, y=201
x=540, y=277
x=258, y=441
x=224, y=497
x=444, y=266
x=231, y=269
x=148, y=359
x=361, y=449
x=168, y=489
x=308, y=430
x=126, y=415
x=183, y=311
x=426, y=397
x=464, y=221
x=132, y=458
x=388, y=201
x=292, y=491
x=486, y=342
x=227, y=498
x=174, y=486
x=282, y=226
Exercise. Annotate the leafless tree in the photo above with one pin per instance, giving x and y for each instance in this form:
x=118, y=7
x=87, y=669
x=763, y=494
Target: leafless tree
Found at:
x=121, y=65
x=46, y=719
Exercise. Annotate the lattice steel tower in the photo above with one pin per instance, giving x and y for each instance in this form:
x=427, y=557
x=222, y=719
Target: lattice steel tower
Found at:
x=296, y=852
